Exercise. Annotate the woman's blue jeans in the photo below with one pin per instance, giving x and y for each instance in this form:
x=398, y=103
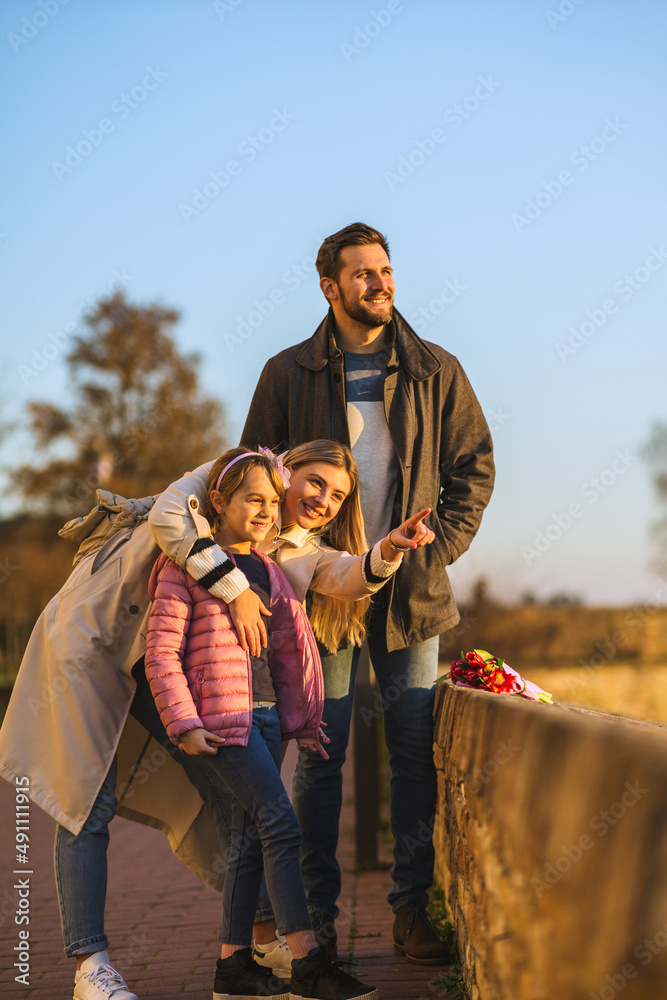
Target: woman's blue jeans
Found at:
x=406, y=681
x=80, y=864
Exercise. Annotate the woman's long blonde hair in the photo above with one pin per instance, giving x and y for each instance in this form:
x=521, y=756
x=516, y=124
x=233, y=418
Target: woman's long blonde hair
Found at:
x=336, y=622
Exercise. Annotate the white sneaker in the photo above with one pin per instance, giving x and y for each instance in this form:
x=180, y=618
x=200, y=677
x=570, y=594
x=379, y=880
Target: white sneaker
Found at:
x=96, y=980
x=276, y=956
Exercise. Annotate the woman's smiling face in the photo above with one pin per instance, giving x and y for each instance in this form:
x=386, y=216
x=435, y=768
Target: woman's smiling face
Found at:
x=315, y=494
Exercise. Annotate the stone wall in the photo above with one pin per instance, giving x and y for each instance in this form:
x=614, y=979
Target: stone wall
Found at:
x=551, y=845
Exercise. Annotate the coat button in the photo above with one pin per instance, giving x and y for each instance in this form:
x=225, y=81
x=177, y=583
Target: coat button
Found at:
x=194, y=504
x=134, y=609
x=336, y=377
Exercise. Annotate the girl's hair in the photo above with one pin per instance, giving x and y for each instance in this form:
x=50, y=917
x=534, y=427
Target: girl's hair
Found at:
x=336, y=621
x=233, y=479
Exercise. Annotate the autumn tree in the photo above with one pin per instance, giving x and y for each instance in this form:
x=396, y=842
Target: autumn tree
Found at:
x=136, y=421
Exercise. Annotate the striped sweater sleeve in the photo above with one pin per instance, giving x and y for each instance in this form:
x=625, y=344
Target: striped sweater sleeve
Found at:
x=375, y=570
x=184, y=535
x=214, y=570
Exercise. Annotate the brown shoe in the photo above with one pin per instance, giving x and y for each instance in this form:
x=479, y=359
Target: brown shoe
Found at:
x=417, y=939
x=324, y=929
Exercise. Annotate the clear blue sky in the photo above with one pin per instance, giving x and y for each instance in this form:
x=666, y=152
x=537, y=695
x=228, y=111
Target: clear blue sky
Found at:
x=512, y=149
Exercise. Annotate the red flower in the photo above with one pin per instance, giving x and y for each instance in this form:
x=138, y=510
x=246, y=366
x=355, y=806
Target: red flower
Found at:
x=474, y=670
x=475, y=660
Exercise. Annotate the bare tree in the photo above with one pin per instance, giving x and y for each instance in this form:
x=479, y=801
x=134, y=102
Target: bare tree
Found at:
x=137, y=419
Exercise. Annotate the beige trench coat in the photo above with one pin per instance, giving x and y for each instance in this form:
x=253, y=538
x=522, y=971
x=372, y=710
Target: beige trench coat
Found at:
x=69, y=710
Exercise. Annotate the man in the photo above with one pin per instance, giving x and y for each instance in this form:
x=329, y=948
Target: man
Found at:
x=417, y=431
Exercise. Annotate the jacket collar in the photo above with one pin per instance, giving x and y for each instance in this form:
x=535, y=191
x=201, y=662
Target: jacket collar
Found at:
x=407, y=349
x=293, y=535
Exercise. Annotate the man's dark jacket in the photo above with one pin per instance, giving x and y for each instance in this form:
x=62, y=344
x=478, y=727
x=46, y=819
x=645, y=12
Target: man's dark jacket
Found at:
x=442, y=441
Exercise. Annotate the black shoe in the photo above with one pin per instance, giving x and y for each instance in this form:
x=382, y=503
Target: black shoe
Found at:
x=239, y=978
x=417, y=939
x=316, y=978
x=324, y=929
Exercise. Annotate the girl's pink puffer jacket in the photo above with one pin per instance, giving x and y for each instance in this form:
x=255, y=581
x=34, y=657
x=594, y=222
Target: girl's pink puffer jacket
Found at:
x=200, y=676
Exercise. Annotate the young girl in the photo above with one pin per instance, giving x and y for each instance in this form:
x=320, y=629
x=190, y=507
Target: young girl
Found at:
x=231, y=709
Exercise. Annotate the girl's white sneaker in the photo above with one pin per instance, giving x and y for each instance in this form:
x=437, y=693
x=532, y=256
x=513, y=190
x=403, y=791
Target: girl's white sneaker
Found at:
x=97, y=980
x=276, y=956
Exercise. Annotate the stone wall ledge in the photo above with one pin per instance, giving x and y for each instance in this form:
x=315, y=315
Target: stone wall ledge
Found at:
x=551, y=847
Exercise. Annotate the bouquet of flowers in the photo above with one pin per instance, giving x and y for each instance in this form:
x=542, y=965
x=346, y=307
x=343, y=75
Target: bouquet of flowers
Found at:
x=479, y=669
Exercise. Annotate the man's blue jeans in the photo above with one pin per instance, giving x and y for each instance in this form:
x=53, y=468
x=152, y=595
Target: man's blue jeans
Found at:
x=406, y=681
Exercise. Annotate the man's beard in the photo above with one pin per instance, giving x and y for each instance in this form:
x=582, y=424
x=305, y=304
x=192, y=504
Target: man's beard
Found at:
x=364, y=314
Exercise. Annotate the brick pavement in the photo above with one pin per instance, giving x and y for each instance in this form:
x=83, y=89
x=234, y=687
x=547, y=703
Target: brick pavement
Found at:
x=162, y=922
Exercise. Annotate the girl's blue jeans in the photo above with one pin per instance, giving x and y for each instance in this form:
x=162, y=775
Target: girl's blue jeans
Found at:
x=265, y=832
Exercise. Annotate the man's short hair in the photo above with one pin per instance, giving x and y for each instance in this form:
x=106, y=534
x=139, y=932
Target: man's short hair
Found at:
x=328, y=256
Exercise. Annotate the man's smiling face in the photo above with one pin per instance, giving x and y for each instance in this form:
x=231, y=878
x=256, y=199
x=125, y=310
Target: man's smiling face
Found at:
x=366, y=284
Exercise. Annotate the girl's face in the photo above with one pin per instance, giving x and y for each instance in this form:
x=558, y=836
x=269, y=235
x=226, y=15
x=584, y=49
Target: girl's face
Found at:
x=315, y=494
x=249, y=513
